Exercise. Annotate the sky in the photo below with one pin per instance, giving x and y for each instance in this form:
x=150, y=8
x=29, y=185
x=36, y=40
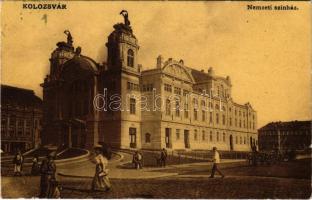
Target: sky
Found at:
x=267, y=54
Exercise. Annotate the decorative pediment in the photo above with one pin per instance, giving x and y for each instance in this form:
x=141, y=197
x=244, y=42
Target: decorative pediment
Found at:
x=176, y=69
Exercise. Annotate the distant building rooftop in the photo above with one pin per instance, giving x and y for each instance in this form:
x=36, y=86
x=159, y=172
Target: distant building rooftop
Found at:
x=19, y=96
x=290, y=125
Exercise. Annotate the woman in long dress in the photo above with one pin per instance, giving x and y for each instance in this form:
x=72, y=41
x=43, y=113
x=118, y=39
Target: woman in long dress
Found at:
x=100, y=181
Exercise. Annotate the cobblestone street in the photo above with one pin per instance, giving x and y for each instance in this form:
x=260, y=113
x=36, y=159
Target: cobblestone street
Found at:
x=179, y=187
x=191, y=182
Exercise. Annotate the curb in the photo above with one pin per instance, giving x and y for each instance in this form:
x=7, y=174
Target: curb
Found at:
x=143, y=177
x=74, y=158
x=61, y=161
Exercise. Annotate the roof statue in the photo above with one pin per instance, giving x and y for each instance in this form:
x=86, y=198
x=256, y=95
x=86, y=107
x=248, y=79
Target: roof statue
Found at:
x=69, y=38
x=78, y=51
x=124, y=13
x=126, y=25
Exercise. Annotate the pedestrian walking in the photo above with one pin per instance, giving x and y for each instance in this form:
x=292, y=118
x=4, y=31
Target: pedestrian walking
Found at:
x=35, y=168
x=47, y=172
x=100, y=180
x=18, y=163
x=216, y=161
x=163, y=157
x=137, y=160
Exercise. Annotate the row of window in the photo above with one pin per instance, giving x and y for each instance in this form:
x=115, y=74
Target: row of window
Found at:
x=136, y=87
x=18, y=126
x=240, y=123
x=147, y=87
x=177, y=90
x=133, y=86
x=219, y=137
x=168, y=88
x=285, y=133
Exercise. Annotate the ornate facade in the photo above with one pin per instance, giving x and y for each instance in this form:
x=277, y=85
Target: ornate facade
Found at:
x=170, y=106
x=21, y=115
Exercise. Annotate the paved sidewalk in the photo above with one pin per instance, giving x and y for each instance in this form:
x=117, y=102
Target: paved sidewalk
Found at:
x=117, y=171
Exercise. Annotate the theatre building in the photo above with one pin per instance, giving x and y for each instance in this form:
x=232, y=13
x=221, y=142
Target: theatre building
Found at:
x=194, y=109
x=21, y=115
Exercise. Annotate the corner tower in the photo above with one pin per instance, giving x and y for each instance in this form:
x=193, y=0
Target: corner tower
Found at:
x=121, y=126
x=122, y=47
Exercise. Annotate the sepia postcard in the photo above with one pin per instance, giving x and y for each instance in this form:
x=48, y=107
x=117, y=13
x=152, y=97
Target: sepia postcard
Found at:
x=156, y=99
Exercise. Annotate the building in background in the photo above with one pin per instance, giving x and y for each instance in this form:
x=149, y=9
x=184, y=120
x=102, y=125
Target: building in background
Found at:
x=21, y=115
x=292, y=135
x=195, y=108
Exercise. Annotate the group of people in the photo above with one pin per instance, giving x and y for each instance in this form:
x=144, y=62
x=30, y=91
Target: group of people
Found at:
x=137, y=159
x=18, y=162
x=48, y=185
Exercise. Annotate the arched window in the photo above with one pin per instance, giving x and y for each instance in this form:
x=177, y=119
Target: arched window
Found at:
x=147, y=138
x=130, y=58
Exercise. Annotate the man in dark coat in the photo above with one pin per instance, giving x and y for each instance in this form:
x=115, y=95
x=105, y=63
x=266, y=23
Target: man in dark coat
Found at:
x=47, y=171
x=163, y=157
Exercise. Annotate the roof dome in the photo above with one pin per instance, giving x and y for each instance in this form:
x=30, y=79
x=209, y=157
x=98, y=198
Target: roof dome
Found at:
x=79, y=67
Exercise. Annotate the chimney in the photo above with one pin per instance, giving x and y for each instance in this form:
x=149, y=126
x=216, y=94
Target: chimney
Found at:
x=159, y=62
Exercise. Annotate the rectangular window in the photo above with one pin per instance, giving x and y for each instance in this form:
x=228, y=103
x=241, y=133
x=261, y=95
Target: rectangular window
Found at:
x=178, y=134
x=135, y=87
x=210, y=117
x=132, y=105
x=3, y=124
x=195, y=135
x=203, y=136
x=168, y=88
x=186, y=110
x=20, y=126
x=177, y=90
x=217, y=118
x=211, y=138
x=217, y=136
x=185, y=92
x=203, y=115
x=177, y=108
x=223, y=119
x=195, y=114
x=28, y=127
x=168, y=107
